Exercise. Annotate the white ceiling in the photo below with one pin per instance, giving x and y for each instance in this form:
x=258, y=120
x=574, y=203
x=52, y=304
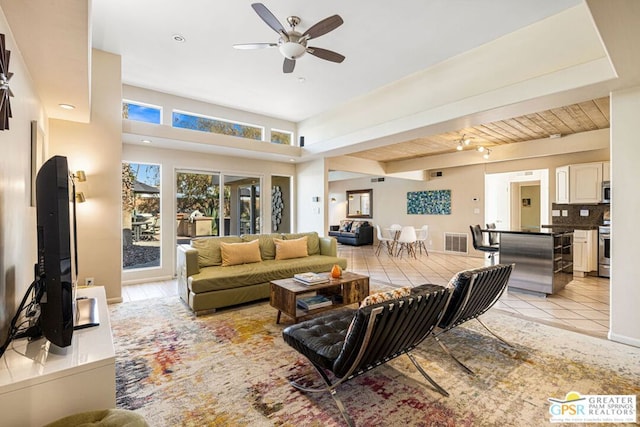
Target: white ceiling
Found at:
x=382, y=41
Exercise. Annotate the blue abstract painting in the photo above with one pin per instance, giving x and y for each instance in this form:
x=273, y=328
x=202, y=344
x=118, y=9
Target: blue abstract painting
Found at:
x=436, y=202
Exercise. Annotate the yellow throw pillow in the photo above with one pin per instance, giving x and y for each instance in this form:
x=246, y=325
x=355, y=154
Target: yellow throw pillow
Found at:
x=240, y=253
x=287, y=249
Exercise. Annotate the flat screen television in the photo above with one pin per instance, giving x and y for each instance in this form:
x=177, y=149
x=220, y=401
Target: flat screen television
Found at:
x=55, y=267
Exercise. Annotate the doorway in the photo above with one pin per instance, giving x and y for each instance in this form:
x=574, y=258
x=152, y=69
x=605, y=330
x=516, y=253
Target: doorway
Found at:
x=525, y=201
x=504, y=199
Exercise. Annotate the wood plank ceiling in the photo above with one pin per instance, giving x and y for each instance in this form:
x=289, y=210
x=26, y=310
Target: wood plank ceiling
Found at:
x=581, y=117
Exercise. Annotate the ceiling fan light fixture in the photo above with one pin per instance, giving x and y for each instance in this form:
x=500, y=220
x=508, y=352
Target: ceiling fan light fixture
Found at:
x=292, y=50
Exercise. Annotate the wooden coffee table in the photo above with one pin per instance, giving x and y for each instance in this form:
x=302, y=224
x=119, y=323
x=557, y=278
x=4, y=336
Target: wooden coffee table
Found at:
x=351, y=288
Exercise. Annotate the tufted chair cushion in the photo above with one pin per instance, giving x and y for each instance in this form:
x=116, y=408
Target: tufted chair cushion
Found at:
x=320, y=339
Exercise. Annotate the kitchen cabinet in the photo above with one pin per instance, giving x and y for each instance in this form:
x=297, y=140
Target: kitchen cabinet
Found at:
x=562, y=184
x=580, y=183
x=585, y=252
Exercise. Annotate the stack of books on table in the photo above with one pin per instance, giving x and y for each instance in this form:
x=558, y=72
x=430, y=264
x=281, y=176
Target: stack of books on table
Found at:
x=316, y=301
x=311, y=278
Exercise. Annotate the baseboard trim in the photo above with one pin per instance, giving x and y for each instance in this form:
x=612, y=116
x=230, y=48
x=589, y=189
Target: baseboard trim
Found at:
x=635, y=342
x=116, y=300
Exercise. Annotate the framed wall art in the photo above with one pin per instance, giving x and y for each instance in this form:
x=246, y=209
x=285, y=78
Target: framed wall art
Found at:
x=432, y=202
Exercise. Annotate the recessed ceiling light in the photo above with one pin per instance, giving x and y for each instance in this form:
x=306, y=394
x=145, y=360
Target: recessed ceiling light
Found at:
x=178, y=38
x=67, y=106
x=301, y=80
x=146, y=141
x=292, y=160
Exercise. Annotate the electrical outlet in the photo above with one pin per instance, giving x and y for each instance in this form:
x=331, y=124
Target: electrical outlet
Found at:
x=88, y=281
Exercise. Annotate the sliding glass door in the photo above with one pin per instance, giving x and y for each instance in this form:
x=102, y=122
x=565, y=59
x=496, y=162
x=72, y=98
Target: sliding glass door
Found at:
x=205, y=207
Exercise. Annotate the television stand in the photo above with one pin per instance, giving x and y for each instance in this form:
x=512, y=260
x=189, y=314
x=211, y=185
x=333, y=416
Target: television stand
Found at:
x=38, y=387
x=86, y=313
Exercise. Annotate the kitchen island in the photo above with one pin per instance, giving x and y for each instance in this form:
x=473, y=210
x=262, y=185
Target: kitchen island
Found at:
x=543, y=259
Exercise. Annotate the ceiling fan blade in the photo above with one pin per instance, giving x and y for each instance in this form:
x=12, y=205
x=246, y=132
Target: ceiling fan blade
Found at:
x=323, y=27
x=255, y=45
x=329, y=55
x=3, y=65
x=269, y=19
x=288, y=65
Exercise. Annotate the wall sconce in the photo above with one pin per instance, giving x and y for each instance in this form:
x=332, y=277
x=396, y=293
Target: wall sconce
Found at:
x=80, y=176
x=333, y=200
x=80, y=197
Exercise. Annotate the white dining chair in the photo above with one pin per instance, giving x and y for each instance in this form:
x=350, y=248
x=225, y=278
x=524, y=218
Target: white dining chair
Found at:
x=407, y=241
x=394, y=233
x=421, y=237
x=383, y=241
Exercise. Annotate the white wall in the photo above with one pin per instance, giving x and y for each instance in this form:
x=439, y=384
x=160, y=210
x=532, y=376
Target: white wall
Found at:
x=96, y=148
x=311, y=215
x=625, y=232
x=18, y=243
x=172, y=160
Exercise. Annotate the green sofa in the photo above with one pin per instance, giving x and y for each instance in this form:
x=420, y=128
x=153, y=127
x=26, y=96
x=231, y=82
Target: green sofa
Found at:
x=205, y=285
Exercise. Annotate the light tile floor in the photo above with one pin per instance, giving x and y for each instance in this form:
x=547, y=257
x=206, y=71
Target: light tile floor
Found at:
x=583, y=305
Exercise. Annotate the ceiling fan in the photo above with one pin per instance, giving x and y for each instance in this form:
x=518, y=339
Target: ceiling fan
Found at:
x=292, y=44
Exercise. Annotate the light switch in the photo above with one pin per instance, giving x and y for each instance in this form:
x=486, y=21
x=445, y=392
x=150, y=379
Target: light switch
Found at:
x=555, y=212
x=565, y=212
x=584, y=212
x=476, y=211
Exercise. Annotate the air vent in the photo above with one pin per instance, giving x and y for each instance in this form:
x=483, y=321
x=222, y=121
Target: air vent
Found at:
x=377, y=179
x=455, y=242
x=435, y=174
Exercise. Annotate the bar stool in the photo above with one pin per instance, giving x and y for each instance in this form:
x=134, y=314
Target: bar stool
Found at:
x=479, y=243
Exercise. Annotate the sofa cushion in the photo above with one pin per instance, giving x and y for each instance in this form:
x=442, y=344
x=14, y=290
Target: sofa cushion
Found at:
x=236, y=276
x=313, y=241
x=287, y=249
x=267, y=247
x=209, y=249
x=240, y=253
x=386, y=296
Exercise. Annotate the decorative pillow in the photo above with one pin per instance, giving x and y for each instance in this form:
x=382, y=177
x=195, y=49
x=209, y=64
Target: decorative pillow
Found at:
x=209, y=249
x=355, y=225
x=240, y=253
x=267, y=248
x=287, y=249
x=345, y=225
x=386, y=296
x=313, y=241
x=454, y=280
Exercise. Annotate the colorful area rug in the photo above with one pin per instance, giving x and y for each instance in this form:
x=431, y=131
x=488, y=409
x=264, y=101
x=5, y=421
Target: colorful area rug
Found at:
x=232, y=368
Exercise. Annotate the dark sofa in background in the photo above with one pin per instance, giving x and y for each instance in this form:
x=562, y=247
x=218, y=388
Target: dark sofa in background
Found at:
x=352, y=232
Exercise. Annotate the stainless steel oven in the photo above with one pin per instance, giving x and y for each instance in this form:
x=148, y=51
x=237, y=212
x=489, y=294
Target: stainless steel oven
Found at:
x=604, y=250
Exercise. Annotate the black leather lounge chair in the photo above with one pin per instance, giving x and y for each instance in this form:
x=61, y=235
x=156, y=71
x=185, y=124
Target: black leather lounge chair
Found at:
x=474, y=292
x=348, y=342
